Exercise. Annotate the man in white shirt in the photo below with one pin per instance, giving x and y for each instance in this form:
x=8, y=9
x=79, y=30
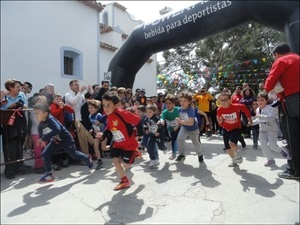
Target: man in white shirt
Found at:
x=75, y=97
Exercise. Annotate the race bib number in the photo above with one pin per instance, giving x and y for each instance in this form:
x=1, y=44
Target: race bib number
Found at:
x=230, y=118
x=118, y=136
x=184, y=116
x=96, y=128
x=172, y=123
x=153, y=128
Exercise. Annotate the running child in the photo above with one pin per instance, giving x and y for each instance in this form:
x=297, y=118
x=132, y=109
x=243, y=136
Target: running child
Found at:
x=124, y=141
x=155, y=131
x=229, y=118
x=189, y=127
x=51, y=131
x=98, y=122
x=168, y=117
x=265, y=116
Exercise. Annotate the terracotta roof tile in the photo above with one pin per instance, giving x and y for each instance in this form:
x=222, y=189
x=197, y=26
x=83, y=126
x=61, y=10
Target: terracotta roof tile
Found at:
x=105, y=28
x=93, y=4
x=107, y=46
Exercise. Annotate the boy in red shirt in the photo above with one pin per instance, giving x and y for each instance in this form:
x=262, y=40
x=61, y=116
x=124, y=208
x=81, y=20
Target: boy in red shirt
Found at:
x=229, y=118
x=125, y=143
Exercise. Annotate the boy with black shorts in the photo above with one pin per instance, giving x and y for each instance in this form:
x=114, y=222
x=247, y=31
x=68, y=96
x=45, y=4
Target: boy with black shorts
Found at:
x=229, y=118
x=124, y=141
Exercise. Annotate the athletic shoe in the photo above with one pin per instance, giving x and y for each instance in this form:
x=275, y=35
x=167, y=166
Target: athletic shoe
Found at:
x=200, y=159
x=284, y=153
x=287, y=175
x=244, y=144
x=89, y=162
x=172, y=157
x=122, y=185
x=270, y=162
x=47, y=177
x=153, y=163
x=180, y=158
x=233, y=163
x=238, y=158
x=99, y=165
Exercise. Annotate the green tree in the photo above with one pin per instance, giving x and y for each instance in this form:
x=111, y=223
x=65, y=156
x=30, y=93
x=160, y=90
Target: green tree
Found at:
x=247, y=42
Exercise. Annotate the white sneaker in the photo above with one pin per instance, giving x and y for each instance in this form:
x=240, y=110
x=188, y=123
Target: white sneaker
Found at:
x=238, y=158
x=153, y=163
x=172, y=157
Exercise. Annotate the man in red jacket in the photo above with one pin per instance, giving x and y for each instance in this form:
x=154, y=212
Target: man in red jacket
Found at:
x=285, y=69
x=228, y=116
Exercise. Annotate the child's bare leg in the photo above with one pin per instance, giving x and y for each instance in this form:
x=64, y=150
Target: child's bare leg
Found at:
x=119, y=167
x=103, y=145
x=96, y=148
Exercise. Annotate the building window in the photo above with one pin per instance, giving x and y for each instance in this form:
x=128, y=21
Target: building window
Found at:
x=71, y=63
x=68, y=65
x=105, y=18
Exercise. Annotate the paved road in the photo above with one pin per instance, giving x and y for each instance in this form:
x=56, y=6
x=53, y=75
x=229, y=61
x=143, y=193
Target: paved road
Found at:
x=175, y=193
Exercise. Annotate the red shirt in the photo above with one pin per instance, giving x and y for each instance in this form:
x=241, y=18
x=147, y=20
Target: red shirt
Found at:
x=285, y=70
x=58, y=112
x=232, y=117
x=236, y=98
x=118, y=128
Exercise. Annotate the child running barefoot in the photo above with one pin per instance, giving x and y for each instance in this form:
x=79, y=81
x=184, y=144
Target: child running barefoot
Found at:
x=189, y=127
x=98, y=122
x=51, y=131
x=229, y=117
x=268, y=129
x=124, y=141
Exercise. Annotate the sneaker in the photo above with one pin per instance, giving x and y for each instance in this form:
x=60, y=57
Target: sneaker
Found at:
x=200, y=159
x=284, y=153
x=286, y=175
x=233, y=163
x=180, y=158
x=208, y=134
x=99, y=165
x=153, y=163
x=270, y=162
x=89, y=162
x=47, y=177
x=122, y=185
x=56, y=167
x=238, y=158
x=172, y=157
x=244, y=144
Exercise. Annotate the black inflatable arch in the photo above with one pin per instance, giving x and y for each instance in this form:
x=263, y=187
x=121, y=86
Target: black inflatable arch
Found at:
x=196, y=22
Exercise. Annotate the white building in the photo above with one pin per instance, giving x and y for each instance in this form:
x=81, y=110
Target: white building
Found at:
x=116, y=24
x=50, y=42
x=58, y=41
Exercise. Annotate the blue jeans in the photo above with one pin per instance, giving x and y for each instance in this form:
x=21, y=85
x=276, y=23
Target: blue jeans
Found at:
x=69, y=148
x=144, y=140
x=152, y=148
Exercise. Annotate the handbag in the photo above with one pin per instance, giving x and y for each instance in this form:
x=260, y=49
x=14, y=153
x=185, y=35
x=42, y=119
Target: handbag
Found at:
x=292, y=105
